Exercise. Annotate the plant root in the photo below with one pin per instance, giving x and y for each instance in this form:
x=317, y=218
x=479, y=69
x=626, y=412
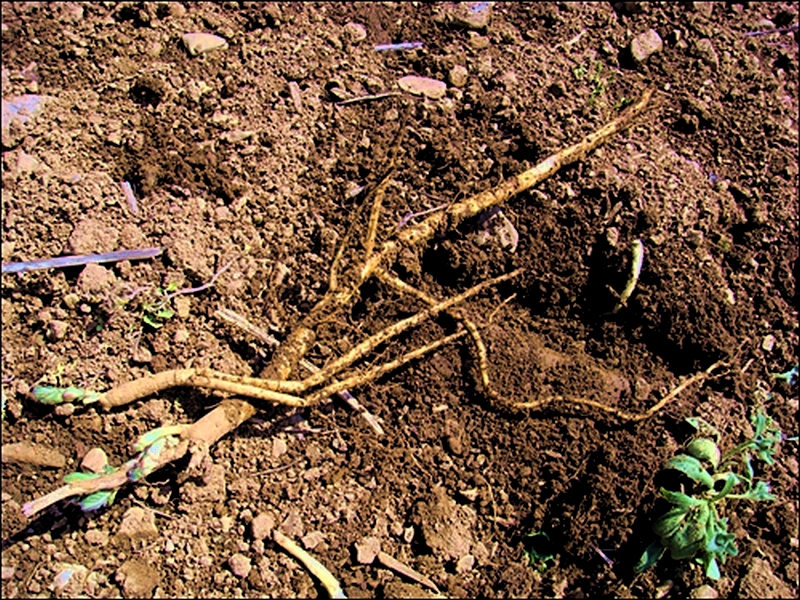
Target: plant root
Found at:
x=622, y=414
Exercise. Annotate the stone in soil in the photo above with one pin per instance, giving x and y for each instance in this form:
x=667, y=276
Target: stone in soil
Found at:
x=137, y=524
x=367, y=549
x=240, y=565
x=644, y=45
x=137, y=578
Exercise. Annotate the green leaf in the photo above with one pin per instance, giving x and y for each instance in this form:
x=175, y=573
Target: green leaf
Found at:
x=760, y=492
x=669, y=523
x=165, y=313
x=712, y=569
x=681, y=550
x=650, y=557
x=680, y=499
x=75, y=477
x=691, y=536
x=155, y=434
x=147, y=318
x=731, y=479
x=704, y=449
x=692, y=468
x=55, y=395
x=98, y=500
x=703, y=426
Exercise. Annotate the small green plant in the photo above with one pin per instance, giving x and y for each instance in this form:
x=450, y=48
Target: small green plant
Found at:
x=539, y=551
x=693, y=528
x=596, y=79
x=156, y=313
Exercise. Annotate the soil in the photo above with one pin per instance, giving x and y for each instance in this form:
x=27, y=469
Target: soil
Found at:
x=246, y=153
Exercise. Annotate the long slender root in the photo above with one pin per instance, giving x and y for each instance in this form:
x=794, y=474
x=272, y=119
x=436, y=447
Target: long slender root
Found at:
x=623, y=414
x=343, y=289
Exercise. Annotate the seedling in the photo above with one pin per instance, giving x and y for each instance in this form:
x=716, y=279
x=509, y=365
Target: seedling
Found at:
x=156, y=313
x=539, y=551
x=693, y=528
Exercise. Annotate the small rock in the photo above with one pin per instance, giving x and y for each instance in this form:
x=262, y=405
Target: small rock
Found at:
x=96, y=537
x=458, y=76
x=465, y=564
x=56, y=330
x=95, y=279
x=644, y=45
x=181, y=336
x=69, y=579
x=705, y=9
x=423, y=86
x=312, y=540
x=471, y=494
x=176, y=9
x=94, y=461
x=704, y=591
x=198, y=43
x=704, y=49
x=262, y=525
x=137, y=578
x=478, y=42
x=764, y=25
x=27, y=163
x=367, y=549
x=183, y=306
x=240, y=565
x=137, y=524
x=278, y=447
x=141, y=355
x=473, y=15
x=8, y=573
x=355, y=32
x=64, y=410
x=768, y=343
x=760, y=579
x=90, y=236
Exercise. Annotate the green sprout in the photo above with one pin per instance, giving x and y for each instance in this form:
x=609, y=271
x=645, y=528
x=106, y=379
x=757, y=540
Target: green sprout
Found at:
x=46, y=394
x=539, y=551
x=156, y=313
x=693, y=527
x=789, y=376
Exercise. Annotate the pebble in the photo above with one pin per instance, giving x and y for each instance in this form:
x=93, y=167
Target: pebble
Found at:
x=69, y=579
x=473, y=15
x=64, y=410
x=355, y=32
x=367, y=549
x=8, y=573
x=704, y=49
x=198, y=43
x=312, y=540
x=465, y=564
x=644, y=45
x=278, y=447
x=423, y=86
x=137, y=578
x=96, y=537
x=704, y=591
x=458, y=76
x=768, y=343
x=137, y=524
x=240, y=565
x=56, y=330
x=705, y=9
x=478, y=42
x=262, y=526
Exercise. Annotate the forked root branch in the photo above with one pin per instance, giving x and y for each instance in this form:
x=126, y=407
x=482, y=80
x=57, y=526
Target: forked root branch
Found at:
x=344, y=284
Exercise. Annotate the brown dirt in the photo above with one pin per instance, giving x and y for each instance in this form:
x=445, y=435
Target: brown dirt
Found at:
x=226, y=166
